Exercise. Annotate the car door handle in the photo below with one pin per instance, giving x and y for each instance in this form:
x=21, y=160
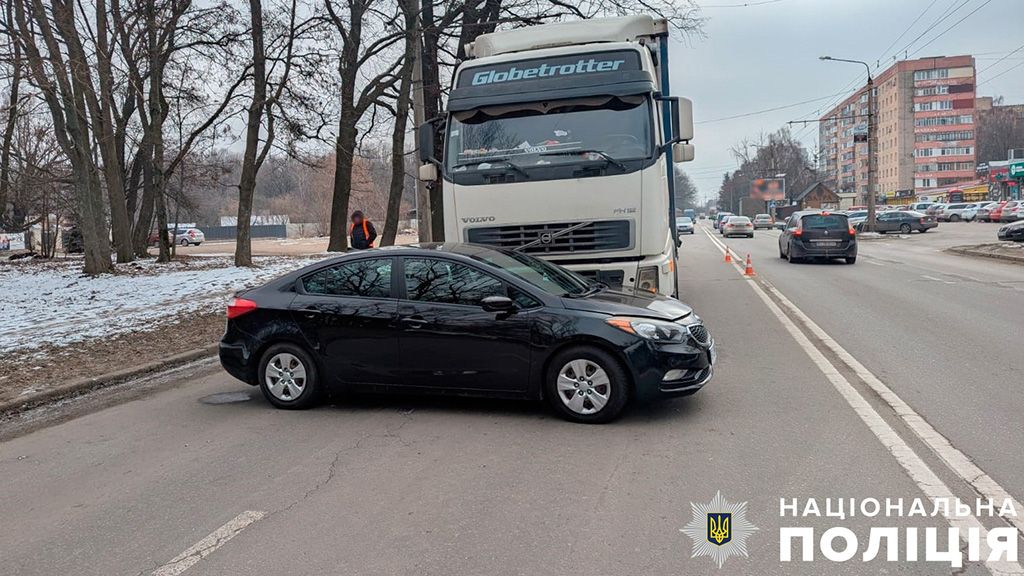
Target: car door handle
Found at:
x=413, y=321
x=310, y=311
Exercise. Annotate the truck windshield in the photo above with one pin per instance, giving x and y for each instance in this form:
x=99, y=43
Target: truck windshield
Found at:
x=605, y=130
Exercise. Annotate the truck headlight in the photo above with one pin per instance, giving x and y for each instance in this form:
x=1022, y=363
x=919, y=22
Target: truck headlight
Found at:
x=647, y=279
x=655, y=330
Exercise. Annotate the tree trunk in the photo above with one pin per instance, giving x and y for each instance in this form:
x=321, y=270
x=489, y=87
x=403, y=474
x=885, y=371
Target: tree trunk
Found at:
x=432, y=108
x=12, y=118
x=398, y=135
x=247, y=180
x=344, y=154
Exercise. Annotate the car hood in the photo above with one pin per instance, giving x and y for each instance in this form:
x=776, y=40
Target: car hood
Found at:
x=618, y=303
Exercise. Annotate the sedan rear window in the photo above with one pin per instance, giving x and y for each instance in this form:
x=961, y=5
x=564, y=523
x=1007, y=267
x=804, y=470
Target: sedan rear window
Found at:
x=824, y=222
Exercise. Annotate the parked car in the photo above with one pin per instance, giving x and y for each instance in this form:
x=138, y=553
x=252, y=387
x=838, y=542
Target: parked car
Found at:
x=956, y=212
x=919, y=206
x=719, y=218
x=684, y=225
x=187, y=236
x=995, y=214
x=763, y=221
x=857, y=216
x=738, y=226
x=1012, y=211
x=985, y=212
x=935, y=210
x=1013, y=232
x=818, y=234
x=903, y=221
x=463, y=319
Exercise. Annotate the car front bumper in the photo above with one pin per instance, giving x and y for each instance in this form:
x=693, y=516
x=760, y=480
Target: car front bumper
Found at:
x=670, y=370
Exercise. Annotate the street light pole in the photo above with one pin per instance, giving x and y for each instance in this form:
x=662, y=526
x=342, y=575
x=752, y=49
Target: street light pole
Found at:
x=869, y=224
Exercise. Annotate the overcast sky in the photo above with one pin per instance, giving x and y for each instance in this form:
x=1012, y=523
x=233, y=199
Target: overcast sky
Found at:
x=765, y=55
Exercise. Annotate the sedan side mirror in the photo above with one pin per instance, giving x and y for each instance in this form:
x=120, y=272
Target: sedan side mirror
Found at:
x=497, y=304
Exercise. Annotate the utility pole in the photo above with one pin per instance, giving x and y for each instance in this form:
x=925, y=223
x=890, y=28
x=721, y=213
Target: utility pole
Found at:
x=869, y=224
x=422, y=193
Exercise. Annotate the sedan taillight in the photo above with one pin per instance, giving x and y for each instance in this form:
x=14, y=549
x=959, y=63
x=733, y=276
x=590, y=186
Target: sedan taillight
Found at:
x=239, y=306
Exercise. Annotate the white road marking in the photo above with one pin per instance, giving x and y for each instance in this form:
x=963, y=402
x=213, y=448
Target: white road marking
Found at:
x=934, y=279
x=916, y=468
x=208, y=545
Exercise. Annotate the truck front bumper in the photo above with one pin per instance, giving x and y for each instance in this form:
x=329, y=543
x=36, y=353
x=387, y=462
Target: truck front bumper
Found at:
x=627, y=275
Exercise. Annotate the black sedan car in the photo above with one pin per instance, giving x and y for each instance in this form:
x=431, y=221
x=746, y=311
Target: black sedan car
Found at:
x=818, y=234
x=902, y=221
x=1014, y=232
x=463, y=319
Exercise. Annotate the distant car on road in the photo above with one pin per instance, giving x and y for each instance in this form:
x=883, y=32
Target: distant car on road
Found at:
x=763, y=221
x=188, y=236
x=470, y=320
x=1013, y=232
x=984, y=213
x=903, y=221
x=737, y=226
x=818, y=234
x=684, y=225
x=1012, y=211
x=719, y=218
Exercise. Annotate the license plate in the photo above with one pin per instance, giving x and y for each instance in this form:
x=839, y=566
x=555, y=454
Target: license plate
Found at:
x=712, y=354
x=827, y=243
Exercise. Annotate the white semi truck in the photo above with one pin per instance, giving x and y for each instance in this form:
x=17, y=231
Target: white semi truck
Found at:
x=560, y=141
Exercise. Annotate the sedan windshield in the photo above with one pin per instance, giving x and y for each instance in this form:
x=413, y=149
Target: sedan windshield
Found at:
x=540, y=273
x=605, y=130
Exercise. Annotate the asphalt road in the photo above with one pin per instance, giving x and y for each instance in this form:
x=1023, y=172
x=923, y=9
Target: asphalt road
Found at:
x=197, y=474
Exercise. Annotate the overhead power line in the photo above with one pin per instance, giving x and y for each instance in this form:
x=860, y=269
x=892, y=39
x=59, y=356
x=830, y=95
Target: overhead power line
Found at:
x=982, y=71
x=766, y=110
x=742, y=5
x=904, y=33
x=951, y=26
x=942, y=17
x=1010, y=69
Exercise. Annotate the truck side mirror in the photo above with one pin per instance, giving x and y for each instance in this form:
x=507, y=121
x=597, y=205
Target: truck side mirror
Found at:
x=426, y=142
x=682, y=119
x=682, y=152
x=428, y=172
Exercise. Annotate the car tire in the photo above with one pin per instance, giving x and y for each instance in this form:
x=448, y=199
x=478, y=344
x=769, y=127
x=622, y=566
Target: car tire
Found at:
x=781, y=255
x=580, y=403
x=750, y=235
x=184, y=242
x=905, y=228
x=923, y=230
x=296, y=372
x=789, y=256
x=851, y=259
x=954, y=218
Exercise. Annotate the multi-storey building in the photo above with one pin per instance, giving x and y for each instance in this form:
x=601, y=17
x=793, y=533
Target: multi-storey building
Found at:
x=925, y=131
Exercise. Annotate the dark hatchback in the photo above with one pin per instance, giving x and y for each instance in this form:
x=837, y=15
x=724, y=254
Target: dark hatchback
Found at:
x=463, y=319
x=818, y=234
x=902, y=221
x=1013, y=232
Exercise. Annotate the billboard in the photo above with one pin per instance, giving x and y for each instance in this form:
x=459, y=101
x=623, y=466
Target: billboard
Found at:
x=12, y=241
x=768, y=189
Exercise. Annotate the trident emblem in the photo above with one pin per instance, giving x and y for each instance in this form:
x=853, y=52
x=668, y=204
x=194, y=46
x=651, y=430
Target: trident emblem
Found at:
x=718, y=528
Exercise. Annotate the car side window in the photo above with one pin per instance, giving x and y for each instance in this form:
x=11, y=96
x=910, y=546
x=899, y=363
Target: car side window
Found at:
x=370, y=278
x=523, y=300
x=432, y=280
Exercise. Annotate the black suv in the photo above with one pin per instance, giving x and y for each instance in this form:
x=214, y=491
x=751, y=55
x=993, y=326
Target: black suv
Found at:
x=818, y=234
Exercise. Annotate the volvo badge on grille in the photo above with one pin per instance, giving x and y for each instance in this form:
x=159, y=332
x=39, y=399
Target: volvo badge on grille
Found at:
x=545, y=238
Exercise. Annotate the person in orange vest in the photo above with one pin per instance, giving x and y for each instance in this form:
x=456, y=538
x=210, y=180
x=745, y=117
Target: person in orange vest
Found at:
x=362, y=233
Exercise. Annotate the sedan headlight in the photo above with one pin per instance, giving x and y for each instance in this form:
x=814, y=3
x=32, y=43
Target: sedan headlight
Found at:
x=654, y=330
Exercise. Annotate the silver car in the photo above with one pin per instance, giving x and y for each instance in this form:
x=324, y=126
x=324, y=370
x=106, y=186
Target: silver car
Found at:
x=188, y=236
x=684, y=225
x=738, y=226
x=763, y=221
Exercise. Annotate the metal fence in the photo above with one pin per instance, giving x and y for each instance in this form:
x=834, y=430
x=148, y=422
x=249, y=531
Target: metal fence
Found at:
x=261, y=231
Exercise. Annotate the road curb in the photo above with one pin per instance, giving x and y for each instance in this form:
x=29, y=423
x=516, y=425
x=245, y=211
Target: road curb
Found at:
x=962, y=251
x=85, y=384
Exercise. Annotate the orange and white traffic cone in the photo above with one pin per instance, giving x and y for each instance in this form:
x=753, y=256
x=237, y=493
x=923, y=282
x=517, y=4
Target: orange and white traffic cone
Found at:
x=728, y=255
x=750, y=268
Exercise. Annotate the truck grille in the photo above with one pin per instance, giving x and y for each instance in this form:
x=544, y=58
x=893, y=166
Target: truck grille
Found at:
x=552, y=238
x=612, y=278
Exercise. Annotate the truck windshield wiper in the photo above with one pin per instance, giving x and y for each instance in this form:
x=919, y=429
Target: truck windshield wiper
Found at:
x=608, y=158
x=500, y=161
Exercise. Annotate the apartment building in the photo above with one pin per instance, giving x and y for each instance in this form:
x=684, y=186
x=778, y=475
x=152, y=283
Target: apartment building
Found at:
x=925, y=131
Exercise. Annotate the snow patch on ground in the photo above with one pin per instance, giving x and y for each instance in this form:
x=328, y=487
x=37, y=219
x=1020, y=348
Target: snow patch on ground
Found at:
x=54, y=304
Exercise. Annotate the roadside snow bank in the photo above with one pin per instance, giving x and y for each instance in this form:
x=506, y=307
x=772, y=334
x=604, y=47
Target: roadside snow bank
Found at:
x=54, y=304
